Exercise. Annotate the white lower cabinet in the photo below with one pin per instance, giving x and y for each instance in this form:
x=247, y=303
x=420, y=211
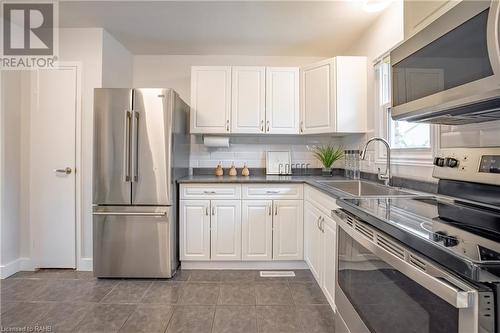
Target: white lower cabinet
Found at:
x=195, y=229
x=313, y=240
x=225, y=230
x=320, y=241
x=257, y=230
x=329, y=250
x=288, y=230
x=269, y=227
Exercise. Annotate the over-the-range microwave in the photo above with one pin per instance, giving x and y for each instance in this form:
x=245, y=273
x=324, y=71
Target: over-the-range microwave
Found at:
x=449, y=72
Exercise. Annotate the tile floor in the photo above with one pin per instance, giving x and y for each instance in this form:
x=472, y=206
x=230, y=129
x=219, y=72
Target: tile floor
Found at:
x=193, y=301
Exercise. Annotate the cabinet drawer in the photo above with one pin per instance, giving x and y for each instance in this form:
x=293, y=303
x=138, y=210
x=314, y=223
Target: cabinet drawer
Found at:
x=320, y=200
x=210, y=191
x=272, y=191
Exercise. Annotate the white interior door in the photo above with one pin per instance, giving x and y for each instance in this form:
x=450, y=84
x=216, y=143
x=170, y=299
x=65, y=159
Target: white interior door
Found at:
x=52, y=167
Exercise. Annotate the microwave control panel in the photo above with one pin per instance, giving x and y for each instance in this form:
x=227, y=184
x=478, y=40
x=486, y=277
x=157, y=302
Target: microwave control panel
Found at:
x=479, y=165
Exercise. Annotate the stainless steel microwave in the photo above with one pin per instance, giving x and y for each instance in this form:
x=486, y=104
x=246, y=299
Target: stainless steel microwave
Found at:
x=449, y=73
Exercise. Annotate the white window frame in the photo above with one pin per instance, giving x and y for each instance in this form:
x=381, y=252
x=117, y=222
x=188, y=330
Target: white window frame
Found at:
x=399, y=156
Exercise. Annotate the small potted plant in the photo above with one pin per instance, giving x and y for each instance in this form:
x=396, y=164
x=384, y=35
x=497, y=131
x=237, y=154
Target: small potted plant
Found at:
x=327, y=155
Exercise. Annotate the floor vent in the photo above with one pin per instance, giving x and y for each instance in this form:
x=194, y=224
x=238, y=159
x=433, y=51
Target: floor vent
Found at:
x=277, y=274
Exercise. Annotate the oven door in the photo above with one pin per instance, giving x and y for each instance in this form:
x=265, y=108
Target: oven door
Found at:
x=453, y=62
x=383, y=287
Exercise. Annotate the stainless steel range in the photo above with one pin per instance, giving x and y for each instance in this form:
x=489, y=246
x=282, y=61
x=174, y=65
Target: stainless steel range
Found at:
x=428, y=263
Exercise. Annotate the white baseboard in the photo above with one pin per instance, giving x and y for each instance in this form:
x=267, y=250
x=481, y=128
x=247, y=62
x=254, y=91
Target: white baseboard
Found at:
x=85, y=264
x=244, y=265
x=11, y=268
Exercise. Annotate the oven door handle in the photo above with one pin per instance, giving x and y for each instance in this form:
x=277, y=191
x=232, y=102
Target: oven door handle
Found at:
x=434, y=279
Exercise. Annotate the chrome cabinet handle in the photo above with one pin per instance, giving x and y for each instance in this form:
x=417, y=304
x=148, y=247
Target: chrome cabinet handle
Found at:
x=227, y=125
x=262, y=125
x=206, y=211
x=317, y=222
x=321, y=224
x=272, y=192
x=276, y=210
x=270, y=210
x=268, y=125
x=302, y=127
x=213, y=210
x=66, y=170
x=209, y=192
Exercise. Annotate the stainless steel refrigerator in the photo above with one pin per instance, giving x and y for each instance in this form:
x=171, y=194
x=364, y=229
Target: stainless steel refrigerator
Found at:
x=141, y=147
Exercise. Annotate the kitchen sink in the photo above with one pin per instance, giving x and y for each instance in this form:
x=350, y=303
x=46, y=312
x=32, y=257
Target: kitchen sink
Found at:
x=360, y=188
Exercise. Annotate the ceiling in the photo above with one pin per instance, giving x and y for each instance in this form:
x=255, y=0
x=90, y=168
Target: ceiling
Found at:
x=294, y=28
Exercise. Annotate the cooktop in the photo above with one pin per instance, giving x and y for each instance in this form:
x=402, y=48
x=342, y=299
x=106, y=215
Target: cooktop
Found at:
x=441, y=228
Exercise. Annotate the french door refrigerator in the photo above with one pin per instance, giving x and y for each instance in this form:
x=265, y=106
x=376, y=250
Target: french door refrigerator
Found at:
x=141, y=147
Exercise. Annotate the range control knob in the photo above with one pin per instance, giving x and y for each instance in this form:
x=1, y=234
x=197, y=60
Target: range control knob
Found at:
x=451, y=162
x=450, y=241
x=439, y=161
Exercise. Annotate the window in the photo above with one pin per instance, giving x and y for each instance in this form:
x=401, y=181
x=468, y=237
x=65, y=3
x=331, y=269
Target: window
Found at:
x=411, y=143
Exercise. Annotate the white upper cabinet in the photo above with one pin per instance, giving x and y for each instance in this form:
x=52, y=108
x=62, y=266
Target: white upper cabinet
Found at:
x=333, y=96
x=248, y=107
x=317, y=98
x=210, y=99
x=282, y=100
x=419, y=14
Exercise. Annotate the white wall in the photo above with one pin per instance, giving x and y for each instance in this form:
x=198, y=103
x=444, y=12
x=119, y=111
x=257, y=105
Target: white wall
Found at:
x=85, y=46
x=174, y=71
x=380, y=38
x=11, y=166
x=104, y=62
x=117, y=63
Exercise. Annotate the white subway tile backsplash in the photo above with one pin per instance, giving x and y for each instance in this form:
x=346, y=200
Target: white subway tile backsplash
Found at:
x=252, y=150
x=471, y=135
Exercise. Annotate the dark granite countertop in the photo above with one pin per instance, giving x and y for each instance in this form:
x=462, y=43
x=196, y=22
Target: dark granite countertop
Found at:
x=314, y=181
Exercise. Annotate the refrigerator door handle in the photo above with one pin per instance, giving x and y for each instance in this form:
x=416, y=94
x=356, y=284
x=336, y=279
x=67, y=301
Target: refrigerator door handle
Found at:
x=126, y=147
x=135, y=145
x=151, y=214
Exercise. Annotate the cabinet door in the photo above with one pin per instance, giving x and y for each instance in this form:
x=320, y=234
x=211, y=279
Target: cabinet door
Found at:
x=248, y=106
x=257, y=229
x=282, y=100
x=329, y=254
x=288, y=230
x=226, y=230
x=350, y=97
x=318, y=95
x=210, y=99
x=312, y=240
x=194, y=223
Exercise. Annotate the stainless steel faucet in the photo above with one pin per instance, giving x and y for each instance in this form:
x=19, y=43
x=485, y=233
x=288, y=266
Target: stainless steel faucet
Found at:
x=387, y=176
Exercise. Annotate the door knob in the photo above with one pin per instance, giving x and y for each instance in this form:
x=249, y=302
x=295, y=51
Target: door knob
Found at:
x=66, y=171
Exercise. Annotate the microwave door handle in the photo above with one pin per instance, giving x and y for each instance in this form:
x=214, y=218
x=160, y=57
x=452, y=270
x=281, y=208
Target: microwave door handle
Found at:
x=126, y=147
x=492, y=38
x=433, y=279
